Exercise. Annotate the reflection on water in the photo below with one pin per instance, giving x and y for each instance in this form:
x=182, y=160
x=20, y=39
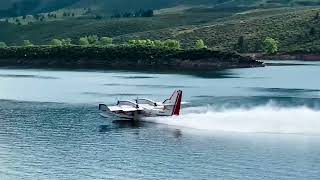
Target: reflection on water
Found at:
x=115, y=94
x=128, y=124
x=135, y=77
x=25, y=76
x=149, y=86
x=286, y=90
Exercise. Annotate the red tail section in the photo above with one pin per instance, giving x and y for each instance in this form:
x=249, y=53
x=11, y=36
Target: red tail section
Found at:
x=177, y=105
x=172, y=106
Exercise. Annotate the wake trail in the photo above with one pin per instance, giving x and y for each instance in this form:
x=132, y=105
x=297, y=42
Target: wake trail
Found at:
x=264, y=119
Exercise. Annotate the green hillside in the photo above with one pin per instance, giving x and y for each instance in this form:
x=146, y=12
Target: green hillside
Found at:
x=10, y=8
x=43, y=32
x=294, y=28
x=220, y=26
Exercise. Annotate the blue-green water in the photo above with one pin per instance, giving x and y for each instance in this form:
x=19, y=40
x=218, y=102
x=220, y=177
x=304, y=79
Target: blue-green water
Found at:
x=261, y=123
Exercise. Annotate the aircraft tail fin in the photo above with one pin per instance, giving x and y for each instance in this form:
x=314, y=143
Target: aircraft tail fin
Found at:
x=173, y=105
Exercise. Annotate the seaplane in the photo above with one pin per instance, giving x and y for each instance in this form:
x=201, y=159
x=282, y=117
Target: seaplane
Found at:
x=140, y=108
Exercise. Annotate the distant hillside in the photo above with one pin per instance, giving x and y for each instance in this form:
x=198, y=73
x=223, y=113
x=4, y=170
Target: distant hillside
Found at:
x=11, y=8
x=295, y=29
x=221, y=26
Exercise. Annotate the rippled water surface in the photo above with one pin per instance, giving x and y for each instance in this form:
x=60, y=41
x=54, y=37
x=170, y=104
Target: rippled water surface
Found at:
x=261, y=123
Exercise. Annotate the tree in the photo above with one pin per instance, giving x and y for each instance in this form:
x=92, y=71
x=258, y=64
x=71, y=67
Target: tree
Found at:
x=200, y=44
x=93, y=39
x=147, y=13
x=66, y=42
x=98, y=17
x=257, y=46
x=174, y=44
x=127, y=14
x=312, y=31
x=132, y=42
x=241, y=45
x=158, y=43
x=138, y=13
x=3, y=45
x=270, y=45
x=116, y=15
x=106, y=41
x=83, y=41
x=56, y=42
x=27, y=43
x=317, y=16
x=37, y=16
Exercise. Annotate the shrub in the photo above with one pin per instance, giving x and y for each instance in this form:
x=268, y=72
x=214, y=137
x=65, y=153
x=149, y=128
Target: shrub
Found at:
x=106, y=41
x=270, y=45
x=174, y=44
x=141, y=42
x=83, y=41
x=3, y=45
x=93, y=39
x=158, y=43
x=171, y=44
x=27, y=43
x=66, y=42
x=200, y=44
x=56, y=42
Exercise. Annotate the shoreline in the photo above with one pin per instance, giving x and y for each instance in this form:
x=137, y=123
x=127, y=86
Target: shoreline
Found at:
x=287, y=56
x=122, y=58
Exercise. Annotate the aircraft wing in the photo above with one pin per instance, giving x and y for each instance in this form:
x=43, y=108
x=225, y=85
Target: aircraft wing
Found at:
x=123, y=108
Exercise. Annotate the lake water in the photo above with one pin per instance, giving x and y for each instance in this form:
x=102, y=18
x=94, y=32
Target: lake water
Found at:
x=261, y=123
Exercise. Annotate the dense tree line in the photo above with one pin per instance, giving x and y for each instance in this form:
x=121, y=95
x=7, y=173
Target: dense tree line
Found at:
x=268, y=45
x=122, y=57
x=139, y=13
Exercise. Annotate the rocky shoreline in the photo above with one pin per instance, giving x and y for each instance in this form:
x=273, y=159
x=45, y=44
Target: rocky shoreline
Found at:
x=288, y=56
x=122, y=57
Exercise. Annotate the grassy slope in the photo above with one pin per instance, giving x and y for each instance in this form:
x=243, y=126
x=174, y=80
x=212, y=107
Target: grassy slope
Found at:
x=218, y=28
x=43, y=32
x=290, y=26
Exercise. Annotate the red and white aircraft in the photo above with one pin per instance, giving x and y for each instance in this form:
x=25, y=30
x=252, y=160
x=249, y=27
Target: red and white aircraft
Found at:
x=140, y=108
